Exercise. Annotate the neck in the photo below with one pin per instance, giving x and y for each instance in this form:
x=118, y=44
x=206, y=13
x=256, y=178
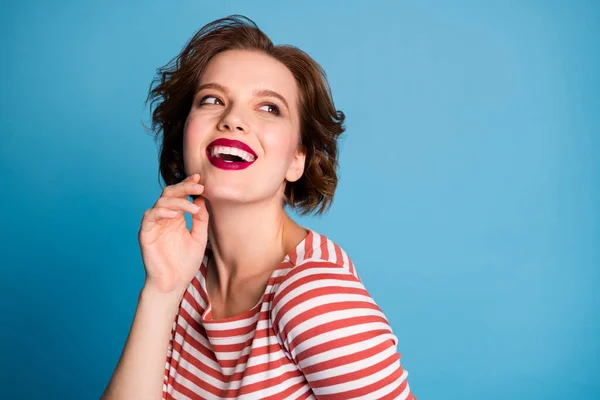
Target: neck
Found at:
x=249, y=239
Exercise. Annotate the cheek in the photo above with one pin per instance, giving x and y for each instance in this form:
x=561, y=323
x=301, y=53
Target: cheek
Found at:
x=194, y=130
x=192, y=125
x=280, y=143
x=194, y=136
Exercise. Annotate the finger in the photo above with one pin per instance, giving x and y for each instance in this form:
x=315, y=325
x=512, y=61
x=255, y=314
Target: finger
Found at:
x=183, y=189
x=191, y=178
x=177, y=204
x=196, y=178
x=199, y=220
x=152, y=215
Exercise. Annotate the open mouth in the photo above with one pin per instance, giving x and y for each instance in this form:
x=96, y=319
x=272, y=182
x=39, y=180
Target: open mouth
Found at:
x=230, y=154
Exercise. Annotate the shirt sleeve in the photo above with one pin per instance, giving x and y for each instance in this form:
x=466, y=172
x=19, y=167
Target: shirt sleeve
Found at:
x=337, y=336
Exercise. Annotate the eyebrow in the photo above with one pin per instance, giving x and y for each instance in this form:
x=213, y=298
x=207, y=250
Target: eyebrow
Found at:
x=258, y=92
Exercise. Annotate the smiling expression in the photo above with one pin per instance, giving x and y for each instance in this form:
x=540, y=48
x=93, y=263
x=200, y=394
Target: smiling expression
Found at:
x=242, y=131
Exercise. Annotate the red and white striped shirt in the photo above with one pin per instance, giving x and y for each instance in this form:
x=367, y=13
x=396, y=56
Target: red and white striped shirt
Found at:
x=315, y=334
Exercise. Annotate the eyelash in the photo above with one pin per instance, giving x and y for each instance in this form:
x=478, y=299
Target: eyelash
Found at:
x=277, y=110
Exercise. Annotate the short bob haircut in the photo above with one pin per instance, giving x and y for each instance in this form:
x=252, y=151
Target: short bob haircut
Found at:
x=174, y=86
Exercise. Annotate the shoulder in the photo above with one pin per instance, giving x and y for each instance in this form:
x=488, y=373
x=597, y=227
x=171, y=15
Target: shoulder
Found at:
x=321, y=309
x=330, y=327
x=319, y=267
x=314, y=278
x=319, y=250
x=316, y=288
x=321, y=286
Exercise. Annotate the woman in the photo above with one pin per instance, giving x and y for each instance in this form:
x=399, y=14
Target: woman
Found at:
x=249, y=304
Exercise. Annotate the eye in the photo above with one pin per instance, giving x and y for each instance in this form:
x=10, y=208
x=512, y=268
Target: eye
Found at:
x=271, y=108
x=211, y=100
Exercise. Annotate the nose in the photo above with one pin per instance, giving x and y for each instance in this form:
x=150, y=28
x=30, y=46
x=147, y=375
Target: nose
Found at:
x=233, y=120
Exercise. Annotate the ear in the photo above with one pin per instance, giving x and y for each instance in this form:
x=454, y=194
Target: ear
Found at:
x=296, y=169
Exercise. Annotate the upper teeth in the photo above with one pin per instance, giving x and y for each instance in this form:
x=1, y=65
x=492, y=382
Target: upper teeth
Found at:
x=244, y=155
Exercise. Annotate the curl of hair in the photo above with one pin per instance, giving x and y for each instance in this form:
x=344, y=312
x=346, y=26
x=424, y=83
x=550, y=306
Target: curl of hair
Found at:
x=174, y=86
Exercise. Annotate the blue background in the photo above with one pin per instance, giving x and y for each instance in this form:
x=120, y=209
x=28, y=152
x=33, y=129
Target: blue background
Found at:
x=469, y=193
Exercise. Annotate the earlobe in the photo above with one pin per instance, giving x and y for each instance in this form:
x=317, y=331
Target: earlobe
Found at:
x=297, y=168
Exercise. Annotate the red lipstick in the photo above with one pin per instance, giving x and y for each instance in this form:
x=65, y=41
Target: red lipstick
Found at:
x=229, y=164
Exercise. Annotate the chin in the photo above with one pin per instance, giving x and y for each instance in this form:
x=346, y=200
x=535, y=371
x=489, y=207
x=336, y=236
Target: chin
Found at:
x=222, y=193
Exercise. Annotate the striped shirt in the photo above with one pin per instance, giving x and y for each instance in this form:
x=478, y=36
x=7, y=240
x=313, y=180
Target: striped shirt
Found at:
x=315, y=334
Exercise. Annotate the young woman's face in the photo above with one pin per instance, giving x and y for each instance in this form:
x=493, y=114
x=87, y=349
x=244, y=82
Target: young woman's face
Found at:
x=242, y=131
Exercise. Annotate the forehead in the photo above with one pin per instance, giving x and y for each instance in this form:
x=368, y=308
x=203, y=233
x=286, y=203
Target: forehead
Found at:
x=246, y=71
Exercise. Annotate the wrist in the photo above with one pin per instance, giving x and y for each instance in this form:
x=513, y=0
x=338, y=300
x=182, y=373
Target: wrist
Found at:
x=162, y=299
x=163, y=289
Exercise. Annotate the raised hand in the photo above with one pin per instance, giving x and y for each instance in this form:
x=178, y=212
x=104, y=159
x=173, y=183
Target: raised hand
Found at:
x=172, y=254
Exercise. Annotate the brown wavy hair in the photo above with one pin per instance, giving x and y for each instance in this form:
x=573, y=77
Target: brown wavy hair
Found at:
x=173, y=88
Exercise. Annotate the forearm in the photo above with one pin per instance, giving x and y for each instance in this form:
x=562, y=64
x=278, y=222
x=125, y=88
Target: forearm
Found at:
x=139, y=373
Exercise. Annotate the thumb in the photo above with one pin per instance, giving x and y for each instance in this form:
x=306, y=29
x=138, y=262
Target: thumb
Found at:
x=200, y=220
